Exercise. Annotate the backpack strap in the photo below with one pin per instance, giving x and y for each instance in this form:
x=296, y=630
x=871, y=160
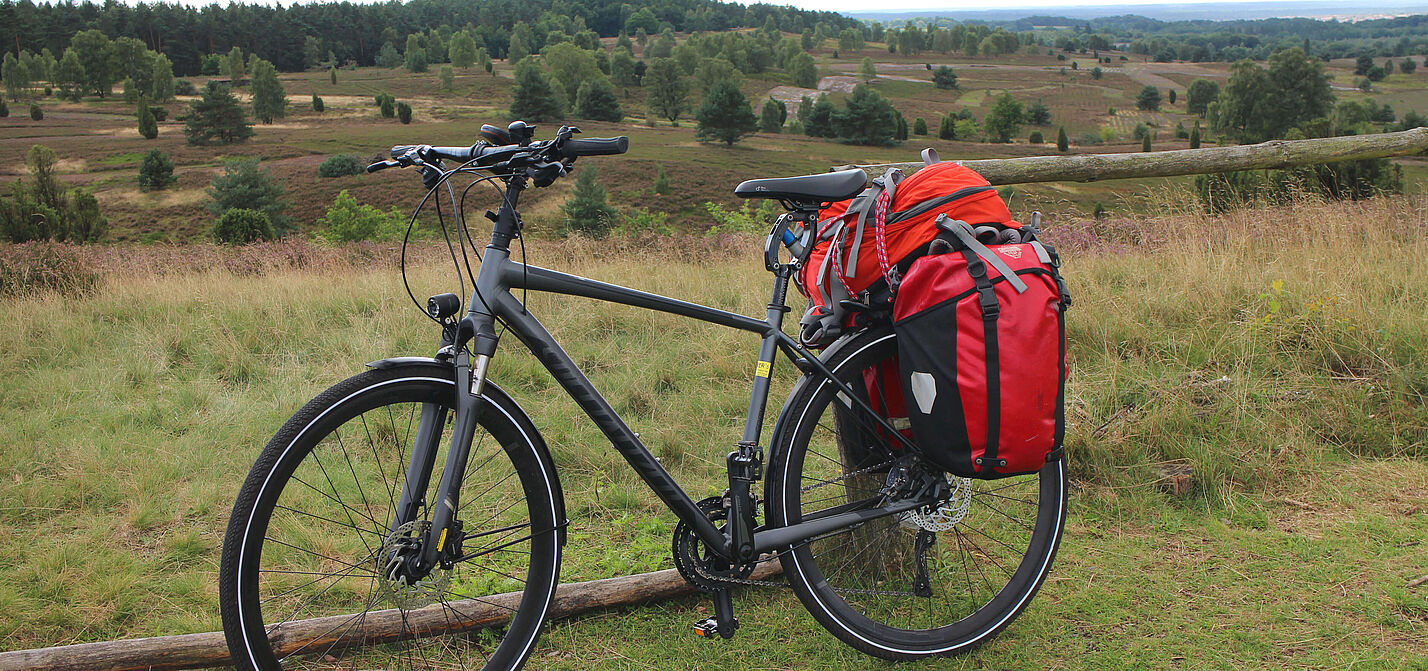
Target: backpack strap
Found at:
x=929, y=156
x=969, y=242
x=878, y=198
x=880, y=222
x=991, y=310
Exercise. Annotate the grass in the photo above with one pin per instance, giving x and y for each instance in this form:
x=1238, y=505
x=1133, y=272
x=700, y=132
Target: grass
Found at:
x=1258, y=348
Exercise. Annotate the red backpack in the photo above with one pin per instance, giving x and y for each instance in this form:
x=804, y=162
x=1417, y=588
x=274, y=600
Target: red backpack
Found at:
x=874, y=237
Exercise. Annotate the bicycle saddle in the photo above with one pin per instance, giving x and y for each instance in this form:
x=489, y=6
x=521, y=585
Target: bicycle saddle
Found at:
x=823, y=188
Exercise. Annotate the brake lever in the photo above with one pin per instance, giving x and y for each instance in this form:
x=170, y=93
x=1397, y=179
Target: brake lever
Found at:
x=382, y=165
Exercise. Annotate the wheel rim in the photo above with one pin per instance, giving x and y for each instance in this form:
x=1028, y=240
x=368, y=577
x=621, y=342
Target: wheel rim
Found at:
x=984, y=559
x=330, y=521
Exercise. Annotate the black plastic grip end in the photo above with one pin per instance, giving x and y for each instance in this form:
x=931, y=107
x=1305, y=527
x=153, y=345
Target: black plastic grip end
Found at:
x=595, y=146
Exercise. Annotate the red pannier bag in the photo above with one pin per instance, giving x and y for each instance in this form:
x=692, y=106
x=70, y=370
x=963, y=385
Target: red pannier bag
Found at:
x=981, y=341
x=861, y=240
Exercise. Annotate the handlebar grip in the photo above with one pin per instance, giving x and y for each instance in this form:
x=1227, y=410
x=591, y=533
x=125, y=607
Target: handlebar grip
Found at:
x=595, y=146
x=459, y=154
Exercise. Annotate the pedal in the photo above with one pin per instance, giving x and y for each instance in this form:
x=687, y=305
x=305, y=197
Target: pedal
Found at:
x=724, y=624
x=709, y=628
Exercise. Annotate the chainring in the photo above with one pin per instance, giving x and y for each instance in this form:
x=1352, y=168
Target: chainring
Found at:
x=398, y=592
x=696, y=562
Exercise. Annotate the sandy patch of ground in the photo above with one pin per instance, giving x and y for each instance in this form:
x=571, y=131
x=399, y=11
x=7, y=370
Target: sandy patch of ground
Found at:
x=73, y=166
x=164, y=198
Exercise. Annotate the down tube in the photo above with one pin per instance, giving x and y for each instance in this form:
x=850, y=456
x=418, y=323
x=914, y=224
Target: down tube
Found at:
x=543, y=345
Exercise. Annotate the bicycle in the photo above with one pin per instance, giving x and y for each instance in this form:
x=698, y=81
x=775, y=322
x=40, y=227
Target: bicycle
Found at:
x=338, y=535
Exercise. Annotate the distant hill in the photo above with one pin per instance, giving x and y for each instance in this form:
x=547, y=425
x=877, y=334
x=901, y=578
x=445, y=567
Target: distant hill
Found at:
x=1208, y=11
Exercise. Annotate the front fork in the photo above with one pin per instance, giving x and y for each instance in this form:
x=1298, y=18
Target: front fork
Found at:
x=441, y=542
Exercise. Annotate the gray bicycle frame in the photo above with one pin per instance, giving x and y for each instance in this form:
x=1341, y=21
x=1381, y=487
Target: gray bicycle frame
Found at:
x=492, y=300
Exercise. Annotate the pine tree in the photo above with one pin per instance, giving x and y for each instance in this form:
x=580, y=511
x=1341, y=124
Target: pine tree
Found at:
x=770, y=120
x=332, y=75
x=944, y=78
x=725, y=115
x=586, y=211
x=1148, y=99
x=533, y=98
x=243, y=184
x=1145, y=143
x=596, y=100
x=867, y=118
x=216, y=116
x=269, y=99
x=947, y=128
x=156, y=172
x=661, y=181
x=1195, y=136
x=1062, y=143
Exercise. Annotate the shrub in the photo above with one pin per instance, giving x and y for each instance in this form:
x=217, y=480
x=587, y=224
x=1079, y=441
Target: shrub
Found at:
x=156, y=171
x=45, y=209
x=148, y=126
x=919, y=126
x=317, y=105
x=160, y=112
x=404, y=112
x=4, y=109
x=44, y=266
x=184, y=87
x=1036, y=137
x=341, y=165
x=36, y=113
x=350, y=221
x=245, y=185
x=240, y=226
x=661, y=182
x=587, y=211
x=1062, y=142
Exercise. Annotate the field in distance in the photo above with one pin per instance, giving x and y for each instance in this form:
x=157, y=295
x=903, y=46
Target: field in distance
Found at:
x=99, y=146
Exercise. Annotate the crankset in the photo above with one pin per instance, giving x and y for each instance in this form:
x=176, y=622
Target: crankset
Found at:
x=698, y=563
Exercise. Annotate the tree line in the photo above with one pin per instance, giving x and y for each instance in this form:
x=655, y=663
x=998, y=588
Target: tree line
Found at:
x=302, y=35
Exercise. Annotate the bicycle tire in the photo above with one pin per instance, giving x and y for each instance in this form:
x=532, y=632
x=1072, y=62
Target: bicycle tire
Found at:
x=313, y=505
x=861, y=583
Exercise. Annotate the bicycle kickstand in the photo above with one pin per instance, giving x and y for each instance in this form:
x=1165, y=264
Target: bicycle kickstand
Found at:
x=723, y=623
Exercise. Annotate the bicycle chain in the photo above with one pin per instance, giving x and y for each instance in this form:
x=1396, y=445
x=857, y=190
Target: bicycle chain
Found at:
x=699, y=569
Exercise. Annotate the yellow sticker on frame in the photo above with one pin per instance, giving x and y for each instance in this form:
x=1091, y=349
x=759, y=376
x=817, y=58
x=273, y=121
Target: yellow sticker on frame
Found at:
x=764, y=368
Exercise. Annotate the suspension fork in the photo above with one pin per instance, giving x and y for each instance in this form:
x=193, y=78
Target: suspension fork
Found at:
x=477, y=330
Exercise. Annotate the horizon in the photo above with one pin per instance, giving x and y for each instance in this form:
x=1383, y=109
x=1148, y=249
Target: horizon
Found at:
x=950, y=8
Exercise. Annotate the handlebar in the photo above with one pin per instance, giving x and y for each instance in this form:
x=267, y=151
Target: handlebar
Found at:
x=558, y=152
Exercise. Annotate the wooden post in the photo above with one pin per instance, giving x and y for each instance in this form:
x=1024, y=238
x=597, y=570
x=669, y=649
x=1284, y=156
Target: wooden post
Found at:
x=193, y=651
x=1139, y=165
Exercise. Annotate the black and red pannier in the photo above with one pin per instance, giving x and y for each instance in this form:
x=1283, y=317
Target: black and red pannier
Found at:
x=982, y=353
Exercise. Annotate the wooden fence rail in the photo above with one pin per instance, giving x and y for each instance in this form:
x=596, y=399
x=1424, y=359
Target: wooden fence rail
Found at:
x=193, y=651
x=1139, y=165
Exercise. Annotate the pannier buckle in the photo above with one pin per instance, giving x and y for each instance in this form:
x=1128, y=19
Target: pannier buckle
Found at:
x=997, y=463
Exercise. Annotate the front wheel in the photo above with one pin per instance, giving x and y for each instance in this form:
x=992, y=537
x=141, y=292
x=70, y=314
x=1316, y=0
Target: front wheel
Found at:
x=302, y=581
x=916, y=584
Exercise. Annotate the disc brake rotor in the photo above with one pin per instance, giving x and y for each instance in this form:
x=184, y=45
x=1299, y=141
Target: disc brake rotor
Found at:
x=948, y=514
x=398, y=592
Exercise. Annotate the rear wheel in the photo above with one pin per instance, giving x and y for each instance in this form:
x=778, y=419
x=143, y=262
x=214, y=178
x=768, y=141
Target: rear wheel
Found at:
x=917, y=584
x=302, y=582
